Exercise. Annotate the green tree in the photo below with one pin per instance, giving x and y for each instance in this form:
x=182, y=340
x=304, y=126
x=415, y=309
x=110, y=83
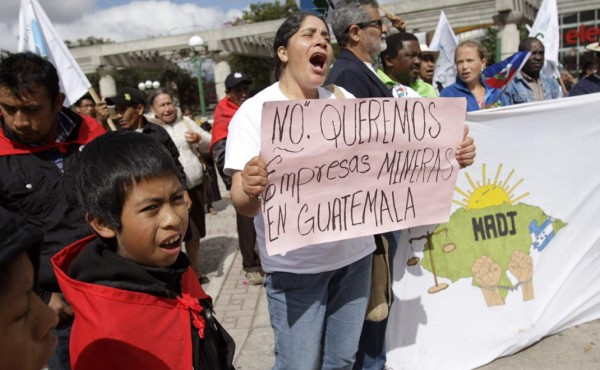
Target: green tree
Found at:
x=256, y=66
x=187, y=88
x=262, y=12
x=91, y=40
x=491, y=42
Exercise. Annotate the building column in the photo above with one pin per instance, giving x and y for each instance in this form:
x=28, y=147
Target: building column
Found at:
x=509, y=40
x=221, y=70
x=510, y=13
x=108, y=86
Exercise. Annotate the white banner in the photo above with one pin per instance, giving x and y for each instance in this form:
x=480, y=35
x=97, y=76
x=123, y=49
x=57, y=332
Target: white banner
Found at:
x=37, y=34
x=445, y=42
x=520, y=257
x=545, y=28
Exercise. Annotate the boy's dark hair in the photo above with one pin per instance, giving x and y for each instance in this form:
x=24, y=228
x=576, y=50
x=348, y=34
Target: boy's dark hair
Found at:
x=285, y=32
x=111, y=165
x=21, y=73
x=395, y=43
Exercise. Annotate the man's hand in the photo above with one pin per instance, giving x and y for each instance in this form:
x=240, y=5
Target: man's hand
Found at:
x=62, y=309
x=102, y=112
x=397, y=21
x=465, y=154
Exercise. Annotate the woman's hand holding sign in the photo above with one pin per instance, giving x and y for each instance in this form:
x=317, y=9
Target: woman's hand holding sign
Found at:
x=248, y=185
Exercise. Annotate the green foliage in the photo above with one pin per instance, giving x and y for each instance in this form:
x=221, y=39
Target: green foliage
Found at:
x=187, y=87
x=491, y=42
x=261, y=69
x=268, y=11
x=91, y=40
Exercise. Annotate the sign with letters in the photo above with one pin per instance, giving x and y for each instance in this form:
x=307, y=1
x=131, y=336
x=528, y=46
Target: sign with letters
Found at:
x=519, y=257
x=343, y=168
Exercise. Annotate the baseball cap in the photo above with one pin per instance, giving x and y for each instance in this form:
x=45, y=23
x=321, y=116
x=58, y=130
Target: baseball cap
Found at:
x=235, y=79
x=128, y=96
x=17, y=236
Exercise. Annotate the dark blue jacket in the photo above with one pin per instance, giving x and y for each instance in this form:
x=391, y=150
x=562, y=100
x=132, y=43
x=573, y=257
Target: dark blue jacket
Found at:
x=353, y=75
x=588, y=85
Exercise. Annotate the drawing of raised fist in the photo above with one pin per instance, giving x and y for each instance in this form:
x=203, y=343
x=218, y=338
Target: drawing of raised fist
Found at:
x=521, y=266
x=487, y=274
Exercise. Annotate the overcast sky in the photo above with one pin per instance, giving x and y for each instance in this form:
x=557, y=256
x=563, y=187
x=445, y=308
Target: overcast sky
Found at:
x=121, y=20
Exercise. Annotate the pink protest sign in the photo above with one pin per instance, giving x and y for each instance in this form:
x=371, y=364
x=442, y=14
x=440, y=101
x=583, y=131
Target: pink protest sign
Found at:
x=339, y=169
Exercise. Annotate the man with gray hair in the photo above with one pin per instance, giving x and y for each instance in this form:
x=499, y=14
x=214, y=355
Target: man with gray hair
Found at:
x=360, y=32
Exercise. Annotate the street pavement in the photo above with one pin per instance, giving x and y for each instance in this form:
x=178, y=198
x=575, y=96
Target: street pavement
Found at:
x=242, y=310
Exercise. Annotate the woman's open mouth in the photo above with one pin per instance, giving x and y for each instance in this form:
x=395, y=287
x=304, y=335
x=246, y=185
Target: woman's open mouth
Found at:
x=318, y=61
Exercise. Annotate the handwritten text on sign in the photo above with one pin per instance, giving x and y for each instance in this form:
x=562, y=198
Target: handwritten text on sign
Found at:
x=340, y=169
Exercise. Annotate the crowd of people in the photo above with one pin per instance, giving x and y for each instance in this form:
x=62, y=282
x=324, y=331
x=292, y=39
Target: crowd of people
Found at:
x=102, y=230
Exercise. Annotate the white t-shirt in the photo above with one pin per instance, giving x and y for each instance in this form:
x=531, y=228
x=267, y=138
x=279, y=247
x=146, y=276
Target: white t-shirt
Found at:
x=243, y=143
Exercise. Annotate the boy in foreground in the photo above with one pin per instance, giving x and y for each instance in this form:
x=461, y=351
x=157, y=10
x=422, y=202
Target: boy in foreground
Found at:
x=137, y=303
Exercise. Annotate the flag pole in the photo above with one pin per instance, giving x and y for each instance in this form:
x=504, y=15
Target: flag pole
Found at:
x=562, y=85
x=97, y=100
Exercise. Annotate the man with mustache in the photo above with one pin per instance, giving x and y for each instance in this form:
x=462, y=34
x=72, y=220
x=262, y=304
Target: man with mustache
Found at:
x=530, y=84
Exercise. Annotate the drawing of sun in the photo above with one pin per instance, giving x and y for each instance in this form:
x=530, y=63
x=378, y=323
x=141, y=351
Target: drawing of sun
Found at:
x=486, y=193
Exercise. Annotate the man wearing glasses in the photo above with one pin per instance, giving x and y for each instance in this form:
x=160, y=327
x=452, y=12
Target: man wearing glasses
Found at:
x=361, y=34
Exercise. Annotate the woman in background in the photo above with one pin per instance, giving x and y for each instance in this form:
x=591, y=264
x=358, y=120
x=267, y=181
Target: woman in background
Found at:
x=470, y=61
x=191, y=140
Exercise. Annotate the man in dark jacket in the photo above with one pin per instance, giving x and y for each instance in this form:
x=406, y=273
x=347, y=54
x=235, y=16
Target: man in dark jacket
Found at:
x=360, y=31
x=40, y=143
x=129, y=106
x=590, y=84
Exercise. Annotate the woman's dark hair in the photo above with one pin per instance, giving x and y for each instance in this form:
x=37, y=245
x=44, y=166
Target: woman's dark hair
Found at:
x=21, y=73
x=285, y=32
x=111, y=165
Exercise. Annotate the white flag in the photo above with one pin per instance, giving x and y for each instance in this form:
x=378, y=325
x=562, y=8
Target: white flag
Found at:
x=445, y=42
x=37, y=34
x=545, y=28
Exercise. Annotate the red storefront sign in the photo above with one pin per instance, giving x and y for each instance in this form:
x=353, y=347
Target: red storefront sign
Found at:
x=585, y=35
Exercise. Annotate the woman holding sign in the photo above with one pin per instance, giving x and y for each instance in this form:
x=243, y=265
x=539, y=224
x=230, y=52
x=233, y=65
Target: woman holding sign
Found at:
x=317, y=294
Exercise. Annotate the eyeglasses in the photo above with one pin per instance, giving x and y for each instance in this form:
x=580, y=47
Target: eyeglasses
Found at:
x=376, y=23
